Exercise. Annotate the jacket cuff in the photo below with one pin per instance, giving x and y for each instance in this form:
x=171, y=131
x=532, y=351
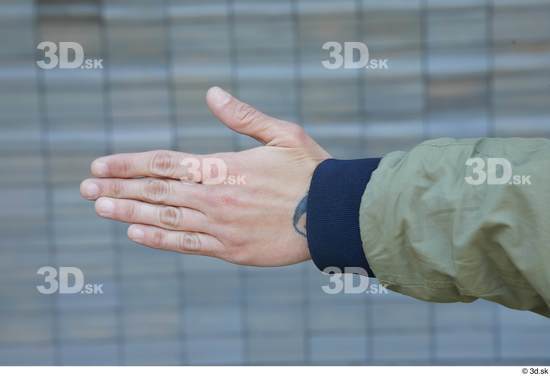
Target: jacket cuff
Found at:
x=332, y=221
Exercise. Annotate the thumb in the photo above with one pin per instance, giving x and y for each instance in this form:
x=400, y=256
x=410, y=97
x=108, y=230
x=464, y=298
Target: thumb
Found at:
x=245, y=119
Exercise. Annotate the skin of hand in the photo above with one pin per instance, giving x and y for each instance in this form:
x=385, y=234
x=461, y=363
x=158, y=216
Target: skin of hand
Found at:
x=244, y=207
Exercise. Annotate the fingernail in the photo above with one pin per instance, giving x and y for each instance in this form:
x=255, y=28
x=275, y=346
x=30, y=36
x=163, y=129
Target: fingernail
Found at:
x=99, y=168
x=90, y=190
x=105, y=206
x=219, y=96
x=136, y=233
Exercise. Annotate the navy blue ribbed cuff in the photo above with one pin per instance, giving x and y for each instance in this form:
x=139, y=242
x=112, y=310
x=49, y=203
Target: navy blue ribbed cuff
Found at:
x=332, y=222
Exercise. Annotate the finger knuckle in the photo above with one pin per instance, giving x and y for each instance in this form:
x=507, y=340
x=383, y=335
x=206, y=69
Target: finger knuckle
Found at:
x=298, y=133
x=245, y=113
x=209, y=195
x=170, y=217
x=239, y=257
x=233, y=239
x=163, y=163
x=130, y=212
x=189, y=242
x=157, y=239
x=117, y=189
x=120, y=167
x=157, y=190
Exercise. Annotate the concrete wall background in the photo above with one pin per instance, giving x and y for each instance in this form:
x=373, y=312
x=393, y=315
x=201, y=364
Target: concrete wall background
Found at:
x=457, y=68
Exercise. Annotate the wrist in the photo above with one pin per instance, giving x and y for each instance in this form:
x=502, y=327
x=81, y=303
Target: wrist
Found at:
x=334, y=198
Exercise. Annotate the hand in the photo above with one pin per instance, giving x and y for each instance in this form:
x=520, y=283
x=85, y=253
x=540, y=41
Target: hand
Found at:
x=253, y=213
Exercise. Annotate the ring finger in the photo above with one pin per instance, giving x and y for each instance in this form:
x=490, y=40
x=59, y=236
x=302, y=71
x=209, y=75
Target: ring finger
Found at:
x=179, y=241
x=168, y=217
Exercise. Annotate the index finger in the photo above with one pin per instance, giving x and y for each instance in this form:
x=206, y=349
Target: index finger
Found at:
x=158, y=163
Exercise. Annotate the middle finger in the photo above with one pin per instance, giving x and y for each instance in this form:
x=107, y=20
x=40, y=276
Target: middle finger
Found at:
x=155, y=191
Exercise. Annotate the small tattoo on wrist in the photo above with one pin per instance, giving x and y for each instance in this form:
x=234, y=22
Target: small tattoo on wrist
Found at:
x=299, y=213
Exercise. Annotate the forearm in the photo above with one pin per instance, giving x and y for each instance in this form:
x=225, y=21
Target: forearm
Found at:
x=427, y=233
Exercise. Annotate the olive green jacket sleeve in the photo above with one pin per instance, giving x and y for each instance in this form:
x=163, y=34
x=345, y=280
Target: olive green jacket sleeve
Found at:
x=438, y=225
